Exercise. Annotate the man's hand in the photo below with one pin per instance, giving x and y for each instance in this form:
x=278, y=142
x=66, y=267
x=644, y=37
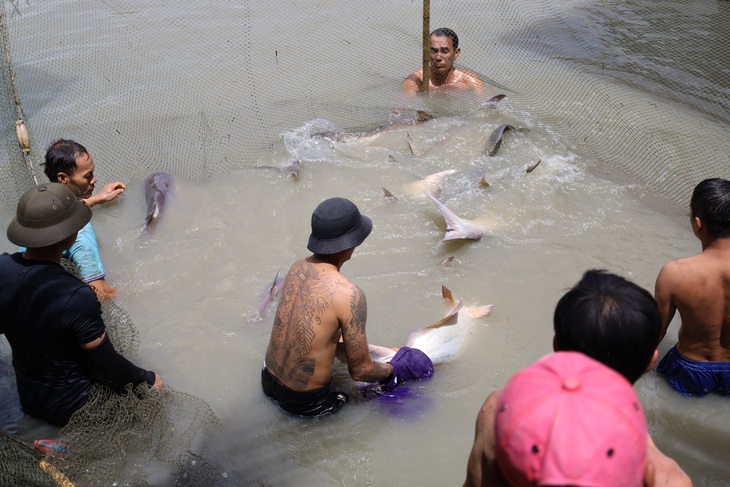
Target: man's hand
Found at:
x=103, y=290
x=158, y=385
x=107, y=194
x=408, y=364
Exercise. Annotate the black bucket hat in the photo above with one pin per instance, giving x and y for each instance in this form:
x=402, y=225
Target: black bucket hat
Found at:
x=47, y=214
x=337, y=225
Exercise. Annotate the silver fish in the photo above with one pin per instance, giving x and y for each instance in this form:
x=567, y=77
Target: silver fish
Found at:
x=495, y=139
x=292, y=168
x=156, y=189
x=397, y=120
x=457, y=228
x=431, y=183
x=441, y=340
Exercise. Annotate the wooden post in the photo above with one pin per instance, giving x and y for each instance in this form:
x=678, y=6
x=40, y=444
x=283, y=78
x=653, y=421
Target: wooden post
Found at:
x=426, y=45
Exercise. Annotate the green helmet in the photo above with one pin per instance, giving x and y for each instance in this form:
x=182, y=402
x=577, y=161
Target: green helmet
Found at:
x=47, y=214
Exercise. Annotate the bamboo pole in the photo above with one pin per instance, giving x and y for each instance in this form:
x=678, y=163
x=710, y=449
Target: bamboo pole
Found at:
x=426, y=45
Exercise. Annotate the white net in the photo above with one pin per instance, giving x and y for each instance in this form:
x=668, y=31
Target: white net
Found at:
x=199, y=88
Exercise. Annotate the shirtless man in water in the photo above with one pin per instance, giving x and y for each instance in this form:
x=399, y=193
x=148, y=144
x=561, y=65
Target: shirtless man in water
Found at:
x=699, y=288
x=322, y=315
x=444, y=76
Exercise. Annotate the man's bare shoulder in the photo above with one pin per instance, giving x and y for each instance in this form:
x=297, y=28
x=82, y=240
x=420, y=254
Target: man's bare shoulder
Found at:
x=413, y=81
x=489, y=409
x=674, y=269
x=469, y=79
x=700, y=266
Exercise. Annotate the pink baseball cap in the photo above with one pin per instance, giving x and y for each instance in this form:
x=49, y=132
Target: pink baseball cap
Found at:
x=570, y=420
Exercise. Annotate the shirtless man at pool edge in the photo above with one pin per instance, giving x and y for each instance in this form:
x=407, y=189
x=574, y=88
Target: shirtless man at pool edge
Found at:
x=699, y=288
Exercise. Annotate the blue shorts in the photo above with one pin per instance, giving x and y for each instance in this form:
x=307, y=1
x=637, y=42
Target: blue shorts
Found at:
x=694, y=378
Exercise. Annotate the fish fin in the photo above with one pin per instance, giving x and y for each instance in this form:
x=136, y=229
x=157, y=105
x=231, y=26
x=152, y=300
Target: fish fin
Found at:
x=454, y=224
x=292, y=169
x=414, y=150
x=459, y=235
x=152, y=214
x=483, y=182
x=453, y=221
x=274, y=287
x=388, y=195
x=532, y=167
x=380, y=354
x=480, y=311
x=447, y=294
x=493, y=101
x=449, y=319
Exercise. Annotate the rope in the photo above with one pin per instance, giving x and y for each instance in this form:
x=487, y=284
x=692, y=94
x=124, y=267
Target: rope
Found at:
x=20, y=124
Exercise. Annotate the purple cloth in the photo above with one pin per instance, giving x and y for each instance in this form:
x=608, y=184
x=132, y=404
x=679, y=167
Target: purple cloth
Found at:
x=408, y=364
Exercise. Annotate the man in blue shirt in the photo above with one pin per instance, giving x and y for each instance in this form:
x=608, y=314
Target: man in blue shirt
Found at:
x=70, y=164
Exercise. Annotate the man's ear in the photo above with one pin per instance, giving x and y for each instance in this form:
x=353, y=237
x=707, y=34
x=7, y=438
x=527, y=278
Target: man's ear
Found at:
x=698, y=222
x=457, y=52
x=63, y=178
x=654, y=360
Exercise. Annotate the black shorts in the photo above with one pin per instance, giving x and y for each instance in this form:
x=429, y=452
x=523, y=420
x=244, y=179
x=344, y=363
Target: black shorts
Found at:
x=306, y=403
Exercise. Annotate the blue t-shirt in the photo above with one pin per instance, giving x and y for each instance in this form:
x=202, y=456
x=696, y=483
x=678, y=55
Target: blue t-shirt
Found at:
x=85, y=254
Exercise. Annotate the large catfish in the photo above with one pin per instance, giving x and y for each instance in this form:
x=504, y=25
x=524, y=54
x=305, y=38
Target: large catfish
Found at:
x=157, y=187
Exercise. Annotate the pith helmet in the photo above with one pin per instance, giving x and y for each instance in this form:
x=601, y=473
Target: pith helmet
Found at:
x=47, y=214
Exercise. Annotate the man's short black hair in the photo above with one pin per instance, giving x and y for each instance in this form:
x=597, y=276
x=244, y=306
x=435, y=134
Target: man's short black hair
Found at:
x=446, y=32
x=711, y=203
x=61, y=157
x=611, y=320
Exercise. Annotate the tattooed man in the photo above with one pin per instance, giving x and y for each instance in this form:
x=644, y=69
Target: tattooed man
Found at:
x=322, y=315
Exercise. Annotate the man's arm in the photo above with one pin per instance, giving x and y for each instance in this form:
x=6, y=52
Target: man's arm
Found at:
x=103, y=290
x=470, y=80
x=359, y=363
x=85, y=254
x=663, y=295
x=412, y=84
x=662, y=471
x=115, y=367
x=481, y=470
x=107, y=194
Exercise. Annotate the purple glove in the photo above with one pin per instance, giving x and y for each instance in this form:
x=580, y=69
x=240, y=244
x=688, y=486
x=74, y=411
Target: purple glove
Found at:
x=408, y=364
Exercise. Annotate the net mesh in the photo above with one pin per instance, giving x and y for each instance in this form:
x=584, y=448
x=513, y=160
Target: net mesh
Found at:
x=142, y=437
x=202, y=88
x=198, y=89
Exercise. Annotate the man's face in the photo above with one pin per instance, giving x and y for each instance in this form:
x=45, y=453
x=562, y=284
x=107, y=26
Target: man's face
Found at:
x=81, y=181
x=443, y=53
